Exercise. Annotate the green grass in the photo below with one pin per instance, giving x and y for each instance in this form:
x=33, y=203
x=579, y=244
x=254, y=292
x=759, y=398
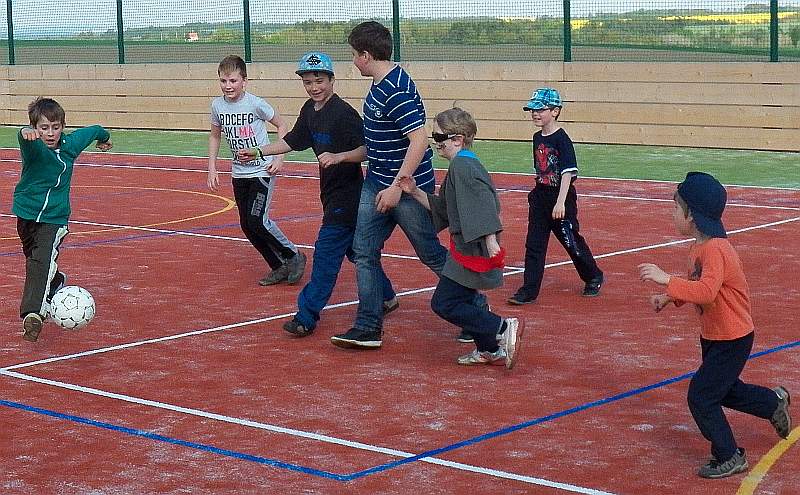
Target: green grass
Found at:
x=763, y=168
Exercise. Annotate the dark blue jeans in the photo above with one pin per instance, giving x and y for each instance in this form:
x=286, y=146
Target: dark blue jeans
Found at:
x=716, y=385
x=334, y=242
x=371, y=232
x=460, y=306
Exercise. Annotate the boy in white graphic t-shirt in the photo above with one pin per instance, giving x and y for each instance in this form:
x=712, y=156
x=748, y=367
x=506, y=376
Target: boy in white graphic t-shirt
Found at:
x=242, y=118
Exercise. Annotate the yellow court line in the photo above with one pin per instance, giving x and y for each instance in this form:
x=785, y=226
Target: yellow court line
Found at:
x=228, y=206
x=757, y=474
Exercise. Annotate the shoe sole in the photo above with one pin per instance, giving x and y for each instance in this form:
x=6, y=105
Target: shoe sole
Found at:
x=389, y=309
x=355, y=344
x=517, y=302
x=783, y=394
x=466, y=341
x=31, y=328
x=512, y=340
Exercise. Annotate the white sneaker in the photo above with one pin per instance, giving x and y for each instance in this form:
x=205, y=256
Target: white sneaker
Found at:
x=510, y=341
x=483, y=357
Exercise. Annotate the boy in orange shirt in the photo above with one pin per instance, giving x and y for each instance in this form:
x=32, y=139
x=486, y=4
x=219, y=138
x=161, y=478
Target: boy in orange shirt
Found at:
x=717, y=287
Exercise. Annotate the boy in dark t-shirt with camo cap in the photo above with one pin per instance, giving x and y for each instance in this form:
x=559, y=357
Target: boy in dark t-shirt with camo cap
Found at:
x=553, y=202
x=334, y=130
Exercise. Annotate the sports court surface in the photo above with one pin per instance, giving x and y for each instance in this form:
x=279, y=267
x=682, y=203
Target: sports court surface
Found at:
x=186, y=383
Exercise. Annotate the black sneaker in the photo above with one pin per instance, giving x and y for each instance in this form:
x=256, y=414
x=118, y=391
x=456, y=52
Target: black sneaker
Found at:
x=297, y=266
x=592, y=287
x=465, y=337
x=390, y=305
x=520, y=298
x=296, y=328
x=715, y=469
x=58, y=283
x=358, y=339
x=780, y=419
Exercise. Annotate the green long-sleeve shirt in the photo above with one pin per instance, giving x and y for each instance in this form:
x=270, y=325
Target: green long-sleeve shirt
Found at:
x=42, y=193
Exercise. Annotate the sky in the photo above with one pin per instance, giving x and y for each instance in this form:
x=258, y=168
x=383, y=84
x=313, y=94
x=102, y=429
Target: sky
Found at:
x=37, y=18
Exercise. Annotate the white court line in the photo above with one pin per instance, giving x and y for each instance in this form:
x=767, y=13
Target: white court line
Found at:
x=502, y=474
x=511, y=270
x=520, y=174
x=304, y=434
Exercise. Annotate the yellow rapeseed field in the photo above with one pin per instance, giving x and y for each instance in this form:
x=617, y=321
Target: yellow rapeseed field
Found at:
x=741, y=18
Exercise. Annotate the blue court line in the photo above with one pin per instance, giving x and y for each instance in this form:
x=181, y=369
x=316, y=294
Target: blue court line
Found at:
x=549, y=417
x=389, y=465
x=175, y=441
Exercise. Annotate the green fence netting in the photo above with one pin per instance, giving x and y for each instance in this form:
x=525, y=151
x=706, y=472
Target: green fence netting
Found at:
x=154, y=31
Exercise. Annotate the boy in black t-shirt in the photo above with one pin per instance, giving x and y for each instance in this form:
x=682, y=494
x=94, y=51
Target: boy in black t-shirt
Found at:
x=334, y=130
x=553, y=202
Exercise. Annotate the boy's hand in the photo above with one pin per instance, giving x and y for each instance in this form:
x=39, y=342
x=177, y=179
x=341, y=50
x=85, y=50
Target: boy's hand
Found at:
x=492, y=246
x=213, y=180
x=327, y=159
x=104, y=146
x=558, y=211
x=247, y=154
x=659, y=301
x=407, y=184
x=649, y=271
x=30, y=134
x=277, y=163
x=388, y=199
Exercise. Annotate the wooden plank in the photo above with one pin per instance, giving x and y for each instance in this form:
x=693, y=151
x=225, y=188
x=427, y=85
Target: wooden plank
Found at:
x=741, y=72
x=658, y=135
x=484, y=71
x=634, y=113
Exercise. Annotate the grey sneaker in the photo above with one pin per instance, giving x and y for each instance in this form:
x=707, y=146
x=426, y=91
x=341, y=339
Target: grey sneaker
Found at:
x=715, y=469
x=510, y=340
x=390, y=305
x=483, y=357
x=276, y=276
x=780, y=419
x=31, y=327
x=297, y=266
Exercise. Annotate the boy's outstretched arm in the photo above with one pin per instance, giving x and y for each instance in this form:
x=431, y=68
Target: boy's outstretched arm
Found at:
x=651, y=272
x=282, y=130
x=357, y=155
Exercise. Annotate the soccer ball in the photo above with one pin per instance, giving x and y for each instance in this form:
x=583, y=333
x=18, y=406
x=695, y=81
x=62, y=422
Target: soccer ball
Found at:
x=72, y=307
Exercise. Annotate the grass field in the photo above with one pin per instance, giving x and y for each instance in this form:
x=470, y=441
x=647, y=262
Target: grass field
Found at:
x=762, y=168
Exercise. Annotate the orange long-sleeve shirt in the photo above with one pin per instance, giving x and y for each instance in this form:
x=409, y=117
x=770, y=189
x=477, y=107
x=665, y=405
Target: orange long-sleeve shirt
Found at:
x=718, y=289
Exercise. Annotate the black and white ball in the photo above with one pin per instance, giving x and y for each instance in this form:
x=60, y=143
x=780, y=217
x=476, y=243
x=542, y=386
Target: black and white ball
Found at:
x=72, y=307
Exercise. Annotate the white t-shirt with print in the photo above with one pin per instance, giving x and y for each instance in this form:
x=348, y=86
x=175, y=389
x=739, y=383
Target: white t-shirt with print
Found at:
x=243, y=123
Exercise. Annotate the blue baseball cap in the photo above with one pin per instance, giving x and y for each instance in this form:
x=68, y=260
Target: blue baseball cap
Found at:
x=314, y=62
x=543, y=98
x=706, y=199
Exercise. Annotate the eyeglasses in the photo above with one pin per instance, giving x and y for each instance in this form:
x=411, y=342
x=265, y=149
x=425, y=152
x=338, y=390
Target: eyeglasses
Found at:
x=441, y=137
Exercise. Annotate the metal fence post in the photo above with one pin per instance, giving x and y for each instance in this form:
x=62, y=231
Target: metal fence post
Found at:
x=773, y=30
x=120, y=34
x=567, y=32
x=248, y=53
x=396, y=29
x=10, y=21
